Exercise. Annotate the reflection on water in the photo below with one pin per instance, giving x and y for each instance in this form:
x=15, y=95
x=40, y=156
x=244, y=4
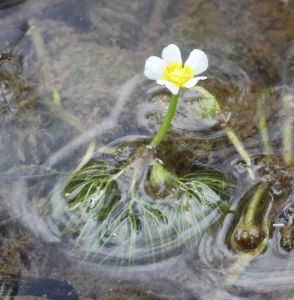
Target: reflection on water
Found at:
x=89, y=53
x=9, y=3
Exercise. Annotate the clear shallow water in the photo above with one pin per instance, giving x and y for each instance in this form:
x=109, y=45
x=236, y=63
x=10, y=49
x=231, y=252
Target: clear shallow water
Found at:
x=92, y=53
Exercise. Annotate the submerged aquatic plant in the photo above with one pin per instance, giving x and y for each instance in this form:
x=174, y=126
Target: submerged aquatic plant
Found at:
x=249, y=236
x=138, y=208
x=138, y=204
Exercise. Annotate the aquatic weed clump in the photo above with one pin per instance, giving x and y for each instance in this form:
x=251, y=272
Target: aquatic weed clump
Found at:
x=136, y=205
x=137, y=210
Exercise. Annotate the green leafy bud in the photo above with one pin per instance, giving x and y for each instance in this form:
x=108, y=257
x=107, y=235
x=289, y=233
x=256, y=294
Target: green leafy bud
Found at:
x=162, y=182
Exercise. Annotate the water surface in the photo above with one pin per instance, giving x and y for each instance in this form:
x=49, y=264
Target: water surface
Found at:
x=92, y=53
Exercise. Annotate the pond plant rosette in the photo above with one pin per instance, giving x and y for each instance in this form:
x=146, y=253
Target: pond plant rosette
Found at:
x=134, y=206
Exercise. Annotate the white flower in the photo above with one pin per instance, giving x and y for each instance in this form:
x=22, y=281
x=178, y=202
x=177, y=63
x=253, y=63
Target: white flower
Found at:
x=169, y=70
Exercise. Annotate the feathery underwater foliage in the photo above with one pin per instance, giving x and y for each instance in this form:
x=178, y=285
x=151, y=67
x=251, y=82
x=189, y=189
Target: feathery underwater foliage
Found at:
x=130, y=212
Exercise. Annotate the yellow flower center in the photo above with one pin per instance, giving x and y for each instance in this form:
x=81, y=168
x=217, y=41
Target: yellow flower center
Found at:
x=177, y=74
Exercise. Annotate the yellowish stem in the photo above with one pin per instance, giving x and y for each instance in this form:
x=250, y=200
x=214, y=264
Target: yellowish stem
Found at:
x=87, y=156
x=228, y=130
x=262, y=125
x=288, y=128
x=238, y=145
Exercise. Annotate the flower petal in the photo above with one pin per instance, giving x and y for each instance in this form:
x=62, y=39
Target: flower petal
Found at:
x=172, y=54
x=197, y=61
x=192, y=82
x=154, y=67
x=169, y=85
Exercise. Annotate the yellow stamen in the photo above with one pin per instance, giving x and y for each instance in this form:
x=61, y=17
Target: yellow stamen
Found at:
x=177, y=74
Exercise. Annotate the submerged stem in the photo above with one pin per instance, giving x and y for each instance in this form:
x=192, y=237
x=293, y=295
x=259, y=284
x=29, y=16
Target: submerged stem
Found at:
x=262, y=125
x=238, y=145
x=228, y=130
x=167, y=121
x=288, y=128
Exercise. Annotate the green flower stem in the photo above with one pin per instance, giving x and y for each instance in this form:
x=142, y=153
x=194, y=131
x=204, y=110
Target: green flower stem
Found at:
x=254, y=202
x=167, y=120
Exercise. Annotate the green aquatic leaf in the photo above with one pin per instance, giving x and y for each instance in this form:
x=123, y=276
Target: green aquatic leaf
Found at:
x=134, y=221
